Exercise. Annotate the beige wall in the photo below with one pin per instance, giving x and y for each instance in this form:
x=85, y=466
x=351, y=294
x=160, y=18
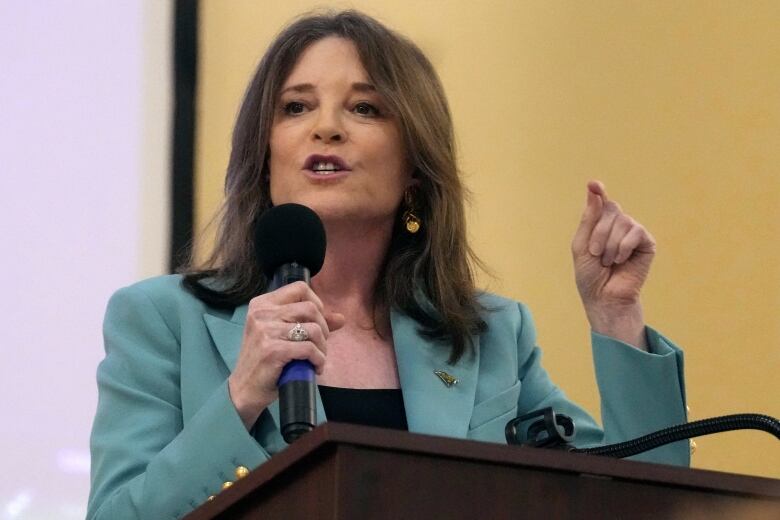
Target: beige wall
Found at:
x=674, y=105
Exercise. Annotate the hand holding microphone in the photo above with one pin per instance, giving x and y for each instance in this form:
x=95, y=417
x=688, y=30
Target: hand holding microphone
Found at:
x=291, y=248
x=266, y=349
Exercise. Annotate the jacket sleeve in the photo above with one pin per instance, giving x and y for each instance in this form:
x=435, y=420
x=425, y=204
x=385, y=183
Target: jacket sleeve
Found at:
x=145, y=463
x=640, y=392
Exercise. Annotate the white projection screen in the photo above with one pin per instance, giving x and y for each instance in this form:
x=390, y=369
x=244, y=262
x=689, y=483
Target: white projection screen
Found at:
x=85, y=108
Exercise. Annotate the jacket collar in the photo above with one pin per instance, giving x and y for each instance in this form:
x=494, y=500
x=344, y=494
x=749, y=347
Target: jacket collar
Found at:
x=431, y=406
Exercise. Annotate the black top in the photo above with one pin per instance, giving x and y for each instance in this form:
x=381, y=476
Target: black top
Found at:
x=375, y=407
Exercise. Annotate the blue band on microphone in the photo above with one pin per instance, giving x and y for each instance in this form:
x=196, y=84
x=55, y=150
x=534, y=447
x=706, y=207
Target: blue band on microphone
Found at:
x=297, y=370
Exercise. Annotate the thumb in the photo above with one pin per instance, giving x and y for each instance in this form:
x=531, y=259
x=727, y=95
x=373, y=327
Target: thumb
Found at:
x=335, y=320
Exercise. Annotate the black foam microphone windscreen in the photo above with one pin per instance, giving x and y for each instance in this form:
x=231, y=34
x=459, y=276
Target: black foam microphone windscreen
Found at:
x=290, y=233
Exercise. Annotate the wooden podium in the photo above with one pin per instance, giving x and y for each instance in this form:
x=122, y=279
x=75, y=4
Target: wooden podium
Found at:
x=342, y=471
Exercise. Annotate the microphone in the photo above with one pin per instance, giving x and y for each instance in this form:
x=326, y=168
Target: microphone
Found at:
x=557, y=431
x=290, y=247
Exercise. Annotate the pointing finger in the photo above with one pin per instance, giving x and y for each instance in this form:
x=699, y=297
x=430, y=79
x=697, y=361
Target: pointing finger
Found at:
x=598, y=188
x=594, y=207
x=602, y=230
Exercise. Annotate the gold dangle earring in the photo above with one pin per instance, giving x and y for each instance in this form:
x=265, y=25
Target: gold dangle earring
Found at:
x=411, y=221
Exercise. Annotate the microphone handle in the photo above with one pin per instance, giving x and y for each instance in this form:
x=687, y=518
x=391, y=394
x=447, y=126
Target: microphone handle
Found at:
x=297, y=394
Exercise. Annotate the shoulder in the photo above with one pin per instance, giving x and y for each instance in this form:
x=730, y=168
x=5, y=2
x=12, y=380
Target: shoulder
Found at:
x=162, y=291
x=498, y=308
x=158, y=297
x=506, y=319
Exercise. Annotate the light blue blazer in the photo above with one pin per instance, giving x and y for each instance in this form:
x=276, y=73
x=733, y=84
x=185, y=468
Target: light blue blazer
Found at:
x=166, y=435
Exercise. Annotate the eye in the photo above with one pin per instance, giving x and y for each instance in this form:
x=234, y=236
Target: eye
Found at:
x=366, y=109
x=294, y=108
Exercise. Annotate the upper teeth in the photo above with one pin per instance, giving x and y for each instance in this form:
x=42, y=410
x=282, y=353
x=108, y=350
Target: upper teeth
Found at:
x=324, y=166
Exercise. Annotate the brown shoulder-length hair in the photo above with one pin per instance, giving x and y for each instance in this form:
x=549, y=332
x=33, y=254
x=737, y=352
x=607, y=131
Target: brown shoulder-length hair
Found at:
x=427, y=275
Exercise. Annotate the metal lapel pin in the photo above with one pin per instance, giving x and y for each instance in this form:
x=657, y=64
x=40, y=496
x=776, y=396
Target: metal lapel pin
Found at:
x=446, y=378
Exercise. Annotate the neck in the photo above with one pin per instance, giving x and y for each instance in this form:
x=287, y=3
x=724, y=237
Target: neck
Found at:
x=354, y=257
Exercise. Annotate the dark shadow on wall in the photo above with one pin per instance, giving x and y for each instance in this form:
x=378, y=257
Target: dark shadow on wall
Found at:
x=185, y=59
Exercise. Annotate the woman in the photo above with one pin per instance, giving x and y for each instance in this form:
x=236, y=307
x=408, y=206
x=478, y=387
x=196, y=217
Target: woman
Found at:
x=348, y=118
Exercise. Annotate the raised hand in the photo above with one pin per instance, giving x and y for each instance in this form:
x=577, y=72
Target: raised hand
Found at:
x=612, y=256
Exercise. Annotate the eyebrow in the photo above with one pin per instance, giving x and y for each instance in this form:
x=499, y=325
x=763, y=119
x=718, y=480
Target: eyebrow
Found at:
x=308, y=87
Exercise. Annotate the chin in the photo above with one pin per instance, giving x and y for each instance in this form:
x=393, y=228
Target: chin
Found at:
x=324, y=205
x=342, y=207
x=331, y=213
x=355, y=216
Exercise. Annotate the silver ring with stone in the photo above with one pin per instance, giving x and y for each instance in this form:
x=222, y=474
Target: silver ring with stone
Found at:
x=298, y=333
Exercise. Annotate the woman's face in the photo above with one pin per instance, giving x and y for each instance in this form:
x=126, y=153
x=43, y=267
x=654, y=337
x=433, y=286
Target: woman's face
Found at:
x=334, y=147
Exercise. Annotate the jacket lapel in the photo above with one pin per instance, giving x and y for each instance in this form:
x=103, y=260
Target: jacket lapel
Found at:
x=227, y=336
x=431, y=406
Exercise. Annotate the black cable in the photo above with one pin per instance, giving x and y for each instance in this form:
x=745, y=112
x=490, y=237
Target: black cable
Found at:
x=742, y=421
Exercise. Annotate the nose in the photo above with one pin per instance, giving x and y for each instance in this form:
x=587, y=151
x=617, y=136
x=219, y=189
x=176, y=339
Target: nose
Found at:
x=328, y=128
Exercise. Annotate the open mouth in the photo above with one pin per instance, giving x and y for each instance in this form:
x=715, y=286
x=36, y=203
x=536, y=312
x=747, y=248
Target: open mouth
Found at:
x=325, y=168
x=325, y=164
